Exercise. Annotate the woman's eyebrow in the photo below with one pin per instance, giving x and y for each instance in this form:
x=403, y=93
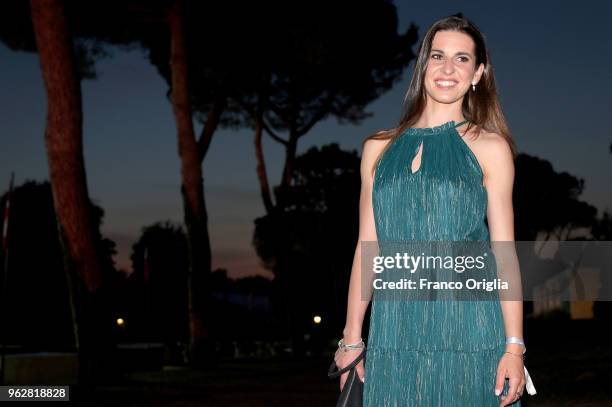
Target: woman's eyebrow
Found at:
x=458, y=53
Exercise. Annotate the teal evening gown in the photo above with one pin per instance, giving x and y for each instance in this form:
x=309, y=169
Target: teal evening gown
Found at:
x=432, y=353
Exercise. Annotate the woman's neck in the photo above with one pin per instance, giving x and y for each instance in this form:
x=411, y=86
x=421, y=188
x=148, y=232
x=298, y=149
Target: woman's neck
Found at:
x=437, y=114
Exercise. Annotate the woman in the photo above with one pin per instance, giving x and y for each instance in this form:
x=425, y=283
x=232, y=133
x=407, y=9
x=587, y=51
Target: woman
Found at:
x=435, y=177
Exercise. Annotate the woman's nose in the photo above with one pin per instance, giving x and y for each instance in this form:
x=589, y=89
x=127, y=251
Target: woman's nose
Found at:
x=449, y=66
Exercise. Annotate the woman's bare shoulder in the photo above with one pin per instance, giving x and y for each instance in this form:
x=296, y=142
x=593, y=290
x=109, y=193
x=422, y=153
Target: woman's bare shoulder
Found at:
x=495, y=146
x=492, y=151
x=372, y=148
x=376, y=145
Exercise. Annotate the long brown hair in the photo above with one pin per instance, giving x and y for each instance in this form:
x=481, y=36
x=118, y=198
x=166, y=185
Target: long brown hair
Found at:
x=481, y=107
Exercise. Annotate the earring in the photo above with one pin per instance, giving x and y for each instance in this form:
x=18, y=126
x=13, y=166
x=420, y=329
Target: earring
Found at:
x=473, y=87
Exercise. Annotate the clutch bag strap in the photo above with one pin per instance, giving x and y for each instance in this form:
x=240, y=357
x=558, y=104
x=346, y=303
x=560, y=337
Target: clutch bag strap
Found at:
x=332, y=372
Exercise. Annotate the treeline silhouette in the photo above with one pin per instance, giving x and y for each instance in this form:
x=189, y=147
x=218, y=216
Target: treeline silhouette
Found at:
x=308, y=247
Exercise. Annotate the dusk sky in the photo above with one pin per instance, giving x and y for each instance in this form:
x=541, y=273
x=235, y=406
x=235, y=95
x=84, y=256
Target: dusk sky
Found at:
x=552, y=62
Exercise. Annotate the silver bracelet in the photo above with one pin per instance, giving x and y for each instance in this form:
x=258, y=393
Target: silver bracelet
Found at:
x=346, y=347
x=518, y=341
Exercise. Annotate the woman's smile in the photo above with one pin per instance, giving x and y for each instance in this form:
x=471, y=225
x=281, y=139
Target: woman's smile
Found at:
x=445, y=84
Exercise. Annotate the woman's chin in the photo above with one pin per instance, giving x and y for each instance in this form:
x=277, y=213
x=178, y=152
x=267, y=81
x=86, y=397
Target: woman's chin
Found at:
x=445, y=97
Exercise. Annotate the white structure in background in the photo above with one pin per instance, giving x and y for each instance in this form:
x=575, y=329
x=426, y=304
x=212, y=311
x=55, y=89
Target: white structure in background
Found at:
x=567, y=289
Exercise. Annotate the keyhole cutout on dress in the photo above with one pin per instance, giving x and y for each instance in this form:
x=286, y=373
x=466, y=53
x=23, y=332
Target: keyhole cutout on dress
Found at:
x=416, y=164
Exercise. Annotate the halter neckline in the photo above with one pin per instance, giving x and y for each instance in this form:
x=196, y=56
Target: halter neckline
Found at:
x=436, y=129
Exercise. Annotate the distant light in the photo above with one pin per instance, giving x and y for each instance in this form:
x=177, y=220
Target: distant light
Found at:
x=120, y=322
x=317, y=319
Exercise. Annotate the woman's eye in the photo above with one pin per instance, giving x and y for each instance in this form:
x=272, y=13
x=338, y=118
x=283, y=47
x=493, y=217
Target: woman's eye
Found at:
x=461, y=59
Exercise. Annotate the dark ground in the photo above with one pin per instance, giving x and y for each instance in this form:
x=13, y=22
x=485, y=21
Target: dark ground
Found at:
x=570, y=365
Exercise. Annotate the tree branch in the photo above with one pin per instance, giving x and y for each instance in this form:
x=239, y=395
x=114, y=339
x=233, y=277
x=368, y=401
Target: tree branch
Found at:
x=271, y=133
x=319, y=116
x=210, y=126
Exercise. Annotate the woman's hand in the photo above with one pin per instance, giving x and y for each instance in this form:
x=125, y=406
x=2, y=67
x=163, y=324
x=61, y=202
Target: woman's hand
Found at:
x=344, y=359
x=510, y=366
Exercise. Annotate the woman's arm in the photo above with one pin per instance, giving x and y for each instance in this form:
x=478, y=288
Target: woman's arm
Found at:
x=499, y=181
x=356, y=306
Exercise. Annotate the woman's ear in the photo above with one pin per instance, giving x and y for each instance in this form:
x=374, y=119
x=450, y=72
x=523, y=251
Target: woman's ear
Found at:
x=479, y=72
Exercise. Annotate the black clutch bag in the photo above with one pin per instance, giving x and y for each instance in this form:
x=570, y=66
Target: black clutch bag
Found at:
x=352, y=392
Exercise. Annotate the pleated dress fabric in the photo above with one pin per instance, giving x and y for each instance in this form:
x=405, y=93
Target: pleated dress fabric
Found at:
x=432, y=353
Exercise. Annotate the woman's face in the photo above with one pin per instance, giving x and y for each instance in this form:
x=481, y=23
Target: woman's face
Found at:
x=451, y=67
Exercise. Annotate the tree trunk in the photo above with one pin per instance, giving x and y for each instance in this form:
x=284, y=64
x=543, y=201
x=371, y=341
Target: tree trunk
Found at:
x=264, y=186
x=290, y=151
x=282, y=272
x=192, y=189
x=63, y=139
x=212, y=121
